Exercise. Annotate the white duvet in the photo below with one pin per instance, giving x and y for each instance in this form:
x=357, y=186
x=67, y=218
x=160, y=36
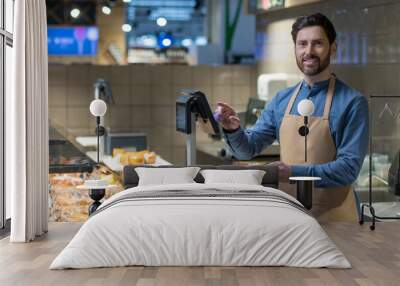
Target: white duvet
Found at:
x=200, y=231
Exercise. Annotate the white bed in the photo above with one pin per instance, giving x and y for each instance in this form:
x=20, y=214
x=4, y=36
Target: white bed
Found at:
x=265, y=229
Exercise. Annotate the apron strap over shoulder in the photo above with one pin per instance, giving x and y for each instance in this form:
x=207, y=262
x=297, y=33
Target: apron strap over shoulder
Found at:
x=329, y=97
x=293, y=98
x=328, y=102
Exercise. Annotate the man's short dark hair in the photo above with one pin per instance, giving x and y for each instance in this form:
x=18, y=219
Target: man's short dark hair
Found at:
x=317, y=19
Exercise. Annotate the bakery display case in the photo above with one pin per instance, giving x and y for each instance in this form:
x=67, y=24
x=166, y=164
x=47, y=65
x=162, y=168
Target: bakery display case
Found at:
x=69, y=167
x=71, y=164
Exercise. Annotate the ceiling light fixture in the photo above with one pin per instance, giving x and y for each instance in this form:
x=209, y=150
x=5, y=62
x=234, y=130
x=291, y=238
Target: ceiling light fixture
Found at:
x=161, y=21
x=126, y=28
x=166, y=42
x=75, y=13
x=201, y=41
x=106, y=9
x=187, y=42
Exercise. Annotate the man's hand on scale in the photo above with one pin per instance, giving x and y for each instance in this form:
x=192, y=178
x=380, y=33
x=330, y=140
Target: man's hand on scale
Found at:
x=226, y=116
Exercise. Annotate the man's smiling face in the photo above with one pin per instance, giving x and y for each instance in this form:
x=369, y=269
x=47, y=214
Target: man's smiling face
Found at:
x=312, y=50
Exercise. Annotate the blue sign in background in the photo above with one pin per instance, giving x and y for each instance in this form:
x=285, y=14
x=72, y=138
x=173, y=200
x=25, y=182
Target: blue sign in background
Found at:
x=72, y=41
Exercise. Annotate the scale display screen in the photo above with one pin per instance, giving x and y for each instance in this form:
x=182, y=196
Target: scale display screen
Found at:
x=182, y=119
x=195, y=102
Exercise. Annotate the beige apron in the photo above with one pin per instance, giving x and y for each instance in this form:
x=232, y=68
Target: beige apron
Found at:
x=332, y=204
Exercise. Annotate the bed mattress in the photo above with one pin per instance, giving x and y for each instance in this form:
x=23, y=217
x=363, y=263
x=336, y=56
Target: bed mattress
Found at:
x=201, y=225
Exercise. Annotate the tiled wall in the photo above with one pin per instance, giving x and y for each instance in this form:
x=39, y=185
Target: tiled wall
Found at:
x=368, y=39
x=144, y=98
x=368, y=56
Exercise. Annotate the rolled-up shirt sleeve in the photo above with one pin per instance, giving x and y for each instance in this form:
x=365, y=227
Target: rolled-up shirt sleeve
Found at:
x=245, y=144
x=350, y=151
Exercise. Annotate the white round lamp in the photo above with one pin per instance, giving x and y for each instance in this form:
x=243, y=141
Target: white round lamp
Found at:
x=98, y=107
x=306, y=109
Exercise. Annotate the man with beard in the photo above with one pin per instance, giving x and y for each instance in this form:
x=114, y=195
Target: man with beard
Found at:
x=338, y=138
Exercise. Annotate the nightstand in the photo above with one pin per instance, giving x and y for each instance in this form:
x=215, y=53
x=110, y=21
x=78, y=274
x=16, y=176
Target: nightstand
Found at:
x=305, y=186
x=96, y=193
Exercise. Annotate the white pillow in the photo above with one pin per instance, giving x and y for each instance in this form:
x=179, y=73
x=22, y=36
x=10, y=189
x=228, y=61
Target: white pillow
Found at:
x=248, y=177
x=164, y=176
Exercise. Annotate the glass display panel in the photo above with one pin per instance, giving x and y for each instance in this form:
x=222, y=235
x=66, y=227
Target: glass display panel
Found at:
x=2, y=203
x=9, y=16
x=8, y=90
x=1, y=15
x=384, y=150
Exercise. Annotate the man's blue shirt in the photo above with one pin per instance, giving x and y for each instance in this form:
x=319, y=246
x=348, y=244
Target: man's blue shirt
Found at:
x=348, y=123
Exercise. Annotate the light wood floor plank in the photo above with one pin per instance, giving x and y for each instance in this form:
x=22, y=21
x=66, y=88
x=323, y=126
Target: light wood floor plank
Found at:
x=375, y=257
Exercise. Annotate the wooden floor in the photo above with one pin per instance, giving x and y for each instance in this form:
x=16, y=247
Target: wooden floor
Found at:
x=375, y=257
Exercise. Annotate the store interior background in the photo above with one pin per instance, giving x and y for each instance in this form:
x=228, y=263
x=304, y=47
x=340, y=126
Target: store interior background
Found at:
x=368, y=59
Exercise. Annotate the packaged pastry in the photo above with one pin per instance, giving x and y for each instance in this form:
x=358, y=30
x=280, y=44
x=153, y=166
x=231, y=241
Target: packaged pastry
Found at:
x=150, y=158
x=141, y=153
x=124, y=158
x=117, y=151
x=135, y=158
